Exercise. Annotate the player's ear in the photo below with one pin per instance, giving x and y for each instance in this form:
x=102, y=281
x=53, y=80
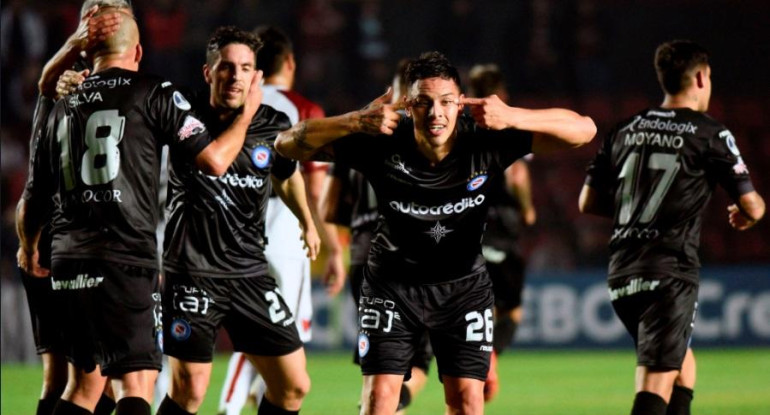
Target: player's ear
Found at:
x=139, y=53
x=699, y=78
x=206, y=73
x=290, y=63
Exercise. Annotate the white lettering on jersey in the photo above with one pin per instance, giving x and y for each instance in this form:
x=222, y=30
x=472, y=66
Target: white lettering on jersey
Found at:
x=235, y=180
x=661, y=125
x=653, y=139
x=445, y=209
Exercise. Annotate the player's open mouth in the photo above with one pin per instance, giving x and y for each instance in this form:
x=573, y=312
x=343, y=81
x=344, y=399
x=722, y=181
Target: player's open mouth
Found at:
x=436, y=129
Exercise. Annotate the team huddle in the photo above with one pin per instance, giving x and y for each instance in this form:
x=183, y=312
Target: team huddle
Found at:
x=432, y=183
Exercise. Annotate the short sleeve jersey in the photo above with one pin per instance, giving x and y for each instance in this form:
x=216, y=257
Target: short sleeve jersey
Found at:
x=99, y=159
x=216, y=225
x=661, y=167
x=431, y=217
x=359, y=203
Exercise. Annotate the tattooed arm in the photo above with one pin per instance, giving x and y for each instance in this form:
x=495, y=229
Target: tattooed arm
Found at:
x=311, y=139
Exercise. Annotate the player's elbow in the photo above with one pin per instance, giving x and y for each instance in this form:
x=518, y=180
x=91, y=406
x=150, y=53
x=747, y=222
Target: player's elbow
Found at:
x=586, y=131
x=211, y=166
x=285, y=146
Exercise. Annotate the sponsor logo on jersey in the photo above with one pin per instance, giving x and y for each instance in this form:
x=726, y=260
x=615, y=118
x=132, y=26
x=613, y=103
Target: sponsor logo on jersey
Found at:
x=235, y=180
x=363, y=344
x=260, y=156
x=181, y=102
x=662, y=114
x=634, y=286
x=190, y=127
x=634, y=233
x=740, y=167
x=180, y=330
x=82, y=281
x=445, y=209
x=661, y=125
x=438, y=232
x=95, y=82
x=165, y=84
x=476, y=182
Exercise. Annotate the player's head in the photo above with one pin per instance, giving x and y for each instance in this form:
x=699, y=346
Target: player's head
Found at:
x=122, y=48
x=277, y=54
x=399, y=85
x=433, y=97
x=486, y=80
x=118, y=4
x=231, y=61
x=683, y=68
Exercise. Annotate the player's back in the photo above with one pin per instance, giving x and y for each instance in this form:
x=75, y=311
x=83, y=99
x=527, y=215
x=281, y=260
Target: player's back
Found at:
x=664, y=165
x=108, y=136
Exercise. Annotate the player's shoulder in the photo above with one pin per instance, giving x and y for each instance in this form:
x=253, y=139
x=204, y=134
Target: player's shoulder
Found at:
x=306, y=107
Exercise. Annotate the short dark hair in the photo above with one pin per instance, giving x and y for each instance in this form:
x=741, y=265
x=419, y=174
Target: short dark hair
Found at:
x=431, y=65
x=226, y=35
x=276, y=46
x=674, y=62
x=485, y=80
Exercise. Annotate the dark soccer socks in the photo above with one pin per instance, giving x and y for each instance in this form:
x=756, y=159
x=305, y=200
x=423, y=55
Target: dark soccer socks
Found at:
x=105, y=406
x=267, y=408
x=68, y=408
x=647, y=403
x=405, y=398
x=169, y=407
x=680, y=401
x=504, y=330
x=133, y=406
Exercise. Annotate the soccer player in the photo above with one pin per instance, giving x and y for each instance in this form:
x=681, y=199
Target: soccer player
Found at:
x=350, y=201
x=285, y=254
x=95, y=174
x=510, y=209
x=654, y=174
x=214, y=260
x=431, y=172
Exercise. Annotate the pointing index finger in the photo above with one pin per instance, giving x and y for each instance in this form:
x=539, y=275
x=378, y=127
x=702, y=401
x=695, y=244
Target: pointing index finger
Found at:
x=471, y=101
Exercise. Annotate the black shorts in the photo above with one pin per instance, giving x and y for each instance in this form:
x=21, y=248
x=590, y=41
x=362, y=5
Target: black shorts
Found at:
x=43, y=313
x=393, y=317
x=109, y=315
x=659, y=313
x=506, y=269
x=252, y=311
x=424, y=352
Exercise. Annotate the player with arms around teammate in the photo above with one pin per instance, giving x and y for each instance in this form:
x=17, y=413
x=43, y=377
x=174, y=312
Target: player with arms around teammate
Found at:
x=216, y=272
x=654, y=174
x=431, y=172
x=95, y=172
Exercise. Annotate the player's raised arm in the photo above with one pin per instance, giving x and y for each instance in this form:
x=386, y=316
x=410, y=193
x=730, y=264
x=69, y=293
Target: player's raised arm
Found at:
x=306, y=139
x=553, y=128
x=217, y=156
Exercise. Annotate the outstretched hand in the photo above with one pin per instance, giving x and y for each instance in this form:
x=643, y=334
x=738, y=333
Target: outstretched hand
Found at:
x=490, y=112
x=380, y=116
x=254, y=97
x=95, y=29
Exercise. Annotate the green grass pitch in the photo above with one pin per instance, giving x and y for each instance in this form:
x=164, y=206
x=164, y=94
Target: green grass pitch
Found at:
x=730, y=382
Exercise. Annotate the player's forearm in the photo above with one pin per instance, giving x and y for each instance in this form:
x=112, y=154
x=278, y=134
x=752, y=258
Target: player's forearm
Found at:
x=307, y=138
x=292, y=193
x=554, y=128
x=752, y=206
x=64, y=59
x=28, y=227
x=220, y=153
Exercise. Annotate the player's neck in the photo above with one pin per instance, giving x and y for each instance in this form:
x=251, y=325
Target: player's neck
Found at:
x=280, y=80
x=682, y=100
x=102, y=63
x=435, y=153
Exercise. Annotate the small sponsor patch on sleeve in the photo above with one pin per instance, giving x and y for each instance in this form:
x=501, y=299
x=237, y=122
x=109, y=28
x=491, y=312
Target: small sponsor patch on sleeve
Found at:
x=190, y=127
x=165, y=84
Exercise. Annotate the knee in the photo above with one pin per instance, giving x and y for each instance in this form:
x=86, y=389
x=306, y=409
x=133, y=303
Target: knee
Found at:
x=292, y=395
x=188, y=388
x=384, y=396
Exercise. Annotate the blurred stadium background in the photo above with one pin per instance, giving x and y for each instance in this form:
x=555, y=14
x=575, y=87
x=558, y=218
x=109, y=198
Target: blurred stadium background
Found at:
x=594, y=56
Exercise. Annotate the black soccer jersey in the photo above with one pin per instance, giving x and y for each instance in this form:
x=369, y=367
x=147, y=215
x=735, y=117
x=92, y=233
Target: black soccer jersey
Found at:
x=432, y=217
x=362, y=214
x=216, y=225
x=661, y=166
x=99, y=159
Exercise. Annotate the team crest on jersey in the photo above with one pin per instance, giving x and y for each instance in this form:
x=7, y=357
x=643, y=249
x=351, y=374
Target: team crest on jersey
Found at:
x=181, y=102
x=260, y=156
x=730, y=141
x=363, y=344
x=180, y=329
x=476, y=181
